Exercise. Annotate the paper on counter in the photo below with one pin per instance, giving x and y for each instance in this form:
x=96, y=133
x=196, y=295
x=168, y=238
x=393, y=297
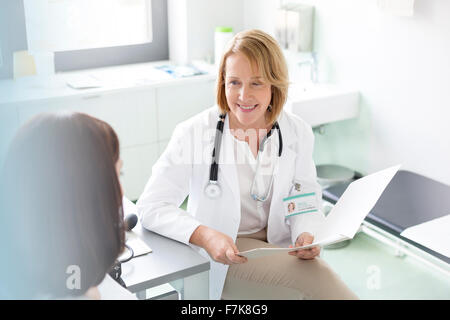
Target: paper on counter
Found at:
x=345, y=218
x=433, y=234
x=139, y=247
x=83, y=81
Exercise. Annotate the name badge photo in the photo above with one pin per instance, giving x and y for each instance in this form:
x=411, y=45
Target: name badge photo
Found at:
x=299, y=204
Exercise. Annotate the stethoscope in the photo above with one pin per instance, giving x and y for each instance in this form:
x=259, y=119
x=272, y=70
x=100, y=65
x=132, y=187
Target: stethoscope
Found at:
x=212, y=189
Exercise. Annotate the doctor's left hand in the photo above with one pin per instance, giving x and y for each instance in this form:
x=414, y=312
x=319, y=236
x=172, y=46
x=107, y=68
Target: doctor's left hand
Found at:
x=307, y=254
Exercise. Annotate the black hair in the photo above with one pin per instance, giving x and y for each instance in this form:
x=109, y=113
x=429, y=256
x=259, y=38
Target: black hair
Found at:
x=60, y=207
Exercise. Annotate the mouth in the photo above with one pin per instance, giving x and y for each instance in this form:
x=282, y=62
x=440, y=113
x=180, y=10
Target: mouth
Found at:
x=247, y=108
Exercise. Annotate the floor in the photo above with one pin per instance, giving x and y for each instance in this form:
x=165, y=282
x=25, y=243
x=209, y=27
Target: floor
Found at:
x=373, y=271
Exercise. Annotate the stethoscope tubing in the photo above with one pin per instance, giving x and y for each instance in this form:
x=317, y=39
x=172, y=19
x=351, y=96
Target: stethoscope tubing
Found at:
x=216, y=151
x=214, y=168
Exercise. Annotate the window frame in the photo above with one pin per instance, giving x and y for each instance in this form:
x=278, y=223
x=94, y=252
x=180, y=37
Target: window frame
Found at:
x=156, y=50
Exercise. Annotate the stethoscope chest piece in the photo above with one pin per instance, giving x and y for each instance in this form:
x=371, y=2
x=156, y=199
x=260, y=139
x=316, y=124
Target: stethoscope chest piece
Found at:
x=212, y=190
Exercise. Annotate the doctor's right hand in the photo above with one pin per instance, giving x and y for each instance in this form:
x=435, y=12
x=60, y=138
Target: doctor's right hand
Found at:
x=219, y=246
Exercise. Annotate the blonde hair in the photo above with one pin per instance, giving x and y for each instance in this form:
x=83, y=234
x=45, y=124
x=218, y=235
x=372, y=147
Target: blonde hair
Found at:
x=262, y=49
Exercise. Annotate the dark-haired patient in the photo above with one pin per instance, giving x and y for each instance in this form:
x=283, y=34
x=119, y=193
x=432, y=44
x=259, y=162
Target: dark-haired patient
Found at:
x=61, y=210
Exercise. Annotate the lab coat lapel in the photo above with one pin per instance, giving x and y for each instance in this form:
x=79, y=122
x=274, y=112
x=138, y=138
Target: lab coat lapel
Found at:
x=227, y=166
x=282, y=181
x=286, y=167
x=282, y=177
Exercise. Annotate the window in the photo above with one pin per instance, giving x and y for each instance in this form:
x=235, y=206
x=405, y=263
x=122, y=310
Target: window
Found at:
x=97, y=33
x=64, y=25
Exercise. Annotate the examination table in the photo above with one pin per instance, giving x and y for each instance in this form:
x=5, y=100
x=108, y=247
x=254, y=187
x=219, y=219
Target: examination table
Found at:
x=408, y=200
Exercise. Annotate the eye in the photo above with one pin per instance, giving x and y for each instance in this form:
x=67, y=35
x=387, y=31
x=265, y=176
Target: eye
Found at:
x=234, y=82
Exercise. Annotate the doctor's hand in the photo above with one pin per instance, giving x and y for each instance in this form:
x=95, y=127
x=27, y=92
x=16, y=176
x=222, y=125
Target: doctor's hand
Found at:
x=307, y=254
x=219, y=246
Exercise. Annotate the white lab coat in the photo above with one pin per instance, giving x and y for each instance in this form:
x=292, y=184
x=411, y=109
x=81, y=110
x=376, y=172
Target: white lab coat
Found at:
x=184, y=167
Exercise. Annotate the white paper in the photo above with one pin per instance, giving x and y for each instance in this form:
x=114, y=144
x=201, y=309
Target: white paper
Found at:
x=355, y=204
x=345, y=218
x=83, y=82
x=262, y=252
x=139, y=247
x=433, y=234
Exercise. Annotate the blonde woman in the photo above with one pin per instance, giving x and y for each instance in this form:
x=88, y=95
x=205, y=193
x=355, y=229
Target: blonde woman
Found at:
x=237, y=161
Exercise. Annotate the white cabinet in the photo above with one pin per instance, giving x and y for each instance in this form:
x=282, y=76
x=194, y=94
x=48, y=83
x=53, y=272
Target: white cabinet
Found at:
x=131, y=113
x=137, y=168
x=9, y=122
x=143, y=116
x=177, y=103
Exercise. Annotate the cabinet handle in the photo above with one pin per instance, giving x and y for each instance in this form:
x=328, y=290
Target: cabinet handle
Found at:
x=93, y=96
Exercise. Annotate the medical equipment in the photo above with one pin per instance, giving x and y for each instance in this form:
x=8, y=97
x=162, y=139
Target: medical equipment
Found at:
x=329, y=175
x=212, y=189
x=116, y=270
x=130, y=221
x=222, y=36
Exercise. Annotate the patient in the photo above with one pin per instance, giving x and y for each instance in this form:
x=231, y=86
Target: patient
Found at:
x=60, y=208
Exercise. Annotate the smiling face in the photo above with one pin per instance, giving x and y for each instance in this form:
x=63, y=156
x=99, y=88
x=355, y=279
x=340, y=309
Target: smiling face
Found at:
x=247, y=93
x=291, y=207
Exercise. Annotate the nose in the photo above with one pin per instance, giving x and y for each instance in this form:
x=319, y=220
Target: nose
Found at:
x=245, y=93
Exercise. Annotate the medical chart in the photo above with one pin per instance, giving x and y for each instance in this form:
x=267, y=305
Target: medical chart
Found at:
x=345, y=218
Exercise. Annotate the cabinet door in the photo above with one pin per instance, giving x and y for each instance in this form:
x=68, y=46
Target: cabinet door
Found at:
x=131, y=113
x=9, y=123
x=162, y=145
x=137, y=168
x=29, y=109
x=177, y=103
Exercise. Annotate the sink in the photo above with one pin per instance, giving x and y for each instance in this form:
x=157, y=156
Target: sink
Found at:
x=320, y=104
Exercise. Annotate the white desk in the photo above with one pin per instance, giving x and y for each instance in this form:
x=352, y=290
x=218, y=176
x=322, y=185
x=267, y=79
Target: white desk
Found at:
x=169, y=262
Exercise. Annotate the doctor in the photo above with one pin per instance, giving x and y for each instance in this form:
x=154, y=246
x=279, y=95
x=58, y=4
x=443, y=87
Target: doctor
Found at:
x=237, y=161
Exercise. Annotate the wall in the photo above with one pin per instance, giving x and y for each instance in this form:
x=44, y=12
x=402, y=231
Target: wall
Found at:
x=192, y=24
x=400, y=65
x=13, y=35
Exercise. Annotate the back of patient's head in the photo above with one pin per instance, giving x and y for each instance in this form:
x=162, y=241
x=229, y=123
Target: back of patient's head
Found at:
x=61, y=207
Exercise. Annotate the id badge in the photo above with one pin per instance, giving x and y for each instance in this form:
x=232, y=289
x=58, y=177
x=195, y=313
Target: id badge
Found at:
x=299, y=203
